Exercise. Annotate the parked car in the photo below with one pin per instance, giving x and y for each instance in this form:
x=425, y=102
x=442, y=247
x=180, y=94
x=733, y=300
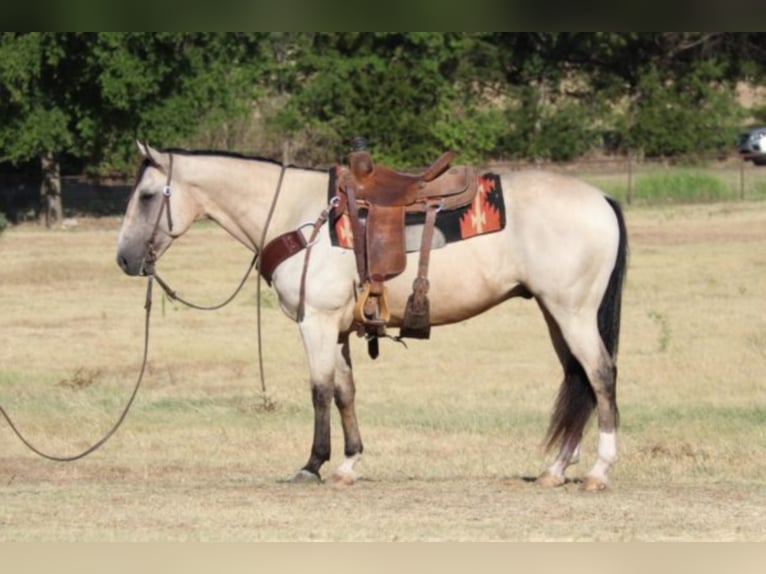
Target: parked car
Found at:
x=752, y=143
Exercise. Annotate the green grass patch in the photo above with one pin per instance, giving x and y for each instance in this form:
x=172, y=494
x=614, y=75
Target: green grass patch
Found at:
x=683, y=186
x=758, y=190
x=696, y=418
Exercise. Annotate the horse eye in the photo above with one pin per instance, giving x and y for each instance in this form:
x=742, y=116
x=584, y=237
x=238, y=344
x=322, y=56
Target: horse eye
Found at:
x=145, y=196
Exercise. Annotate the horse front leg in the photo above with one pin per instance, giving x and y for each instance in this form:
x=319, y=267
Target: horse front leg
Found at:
x=345, y=393
x=319, y=339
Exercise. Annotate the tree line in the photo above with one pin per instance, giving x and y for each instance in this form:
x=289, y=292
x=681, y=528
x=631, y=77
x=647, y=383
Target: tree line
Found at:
x=75, y=102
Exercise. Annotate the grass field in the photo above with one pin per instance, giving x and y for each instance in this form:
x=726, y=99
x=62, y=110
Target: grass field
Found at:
x=450, y=443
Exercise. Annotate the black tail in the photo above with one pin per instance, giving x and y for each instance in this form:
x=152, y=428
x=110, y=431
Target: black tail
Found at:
x=576, y=399
x=610, y=310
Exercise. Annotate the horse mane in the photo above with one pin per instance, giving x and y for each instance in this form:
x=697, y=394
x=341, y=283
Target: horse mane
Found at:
x=237, y=155
x=147, y=163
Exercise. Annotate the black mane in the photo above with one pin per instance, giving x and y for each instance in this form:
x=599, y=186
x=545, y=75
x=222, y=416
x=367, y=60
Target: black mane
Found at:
x=236, y=155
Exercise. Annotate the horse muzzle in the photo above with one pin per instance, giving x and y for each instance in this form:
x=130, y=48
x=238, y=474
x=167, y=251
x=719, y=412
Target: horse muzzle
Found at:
x=130, y=266
x=137, y=263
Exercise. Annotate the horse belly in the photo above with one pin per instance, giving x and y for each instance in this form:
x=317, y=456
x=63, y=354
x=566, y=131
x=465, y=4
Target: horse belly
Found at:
x=465, y=279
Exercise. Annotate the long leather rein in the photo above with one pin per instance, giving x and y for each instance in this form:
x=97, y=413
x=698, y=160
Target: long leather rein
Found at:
x=148, y=269
x=123, y=414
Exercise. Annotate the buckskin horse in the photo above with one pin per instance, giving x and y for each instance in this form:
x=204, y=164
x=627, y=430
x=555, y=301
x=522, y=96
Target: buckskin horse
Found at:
x=563, y=244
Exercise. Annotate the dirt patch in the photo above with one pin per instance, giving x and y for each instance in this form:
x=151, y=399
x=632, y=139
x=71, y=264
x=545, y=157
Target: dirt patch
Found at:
x=740, y=223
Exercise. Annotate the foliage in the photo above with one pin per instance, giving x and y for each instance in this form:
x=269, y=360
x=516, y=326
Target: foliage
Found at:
x=698, y=115
x=88, y=95
x=490, y=95
x=392, y=88
x=30, y=119
x=562, y=131
x=3, y=222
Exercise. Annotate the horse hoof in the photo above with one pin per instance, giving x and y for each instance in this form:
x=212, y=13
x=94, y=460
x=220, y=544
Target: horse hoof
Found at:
x=549, y=480
x=593, y=484
x=306, y=477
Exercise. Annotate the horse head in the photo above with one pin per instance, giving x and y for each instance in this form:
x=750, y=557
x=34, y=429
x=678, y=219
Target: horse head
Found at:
x=161, y=208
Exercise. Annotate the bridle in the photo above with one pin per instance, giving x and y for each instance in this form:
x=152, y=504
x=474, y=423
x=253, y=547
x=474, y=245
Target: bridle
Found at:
x=147, y=268
x=150, y=259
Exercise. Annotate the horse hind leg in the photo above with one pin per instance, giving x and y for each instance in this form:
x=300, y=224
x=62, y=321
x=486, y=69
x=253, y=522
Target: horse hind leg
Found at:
x=589, y=382
x=573, y=408
x=345, y=392
x=604, y=380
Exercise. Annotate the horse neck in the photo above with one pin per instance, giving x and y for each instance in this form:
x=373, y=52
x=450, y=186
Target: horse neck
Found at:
x=239, y=193
x=300, y=200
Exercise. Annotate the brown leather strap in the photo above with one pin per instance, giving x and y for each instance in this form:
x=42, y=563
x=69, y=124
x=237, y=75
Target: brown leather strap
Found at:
x=427, y=240
x=323, y=217
x=416, y=322
x=150, y=258
x=279, y=249
x=357, y=228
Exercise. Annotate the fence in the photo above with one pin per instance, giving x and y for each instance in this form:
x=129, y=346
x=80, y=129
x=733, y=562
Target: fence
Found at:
x=635, y=180
x=20, y=198
x=629, y=179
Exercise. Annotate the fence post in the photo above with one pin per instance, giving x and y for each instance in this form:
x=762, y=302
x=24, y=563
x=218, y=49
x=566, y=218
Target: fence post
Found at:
x=742, y=179
x=629, y=197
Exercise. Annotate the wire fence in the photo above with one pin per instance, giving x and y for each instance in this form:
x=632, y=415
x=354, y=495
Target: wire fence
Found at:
x=629, y=179
x=634, y=180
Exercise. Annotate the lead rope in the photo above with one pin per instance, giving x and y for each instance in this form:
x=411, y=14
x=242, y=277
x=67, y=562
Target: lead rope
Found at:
x=268, y=404
x=148, y=267
x=120, y=420
x=174, y=296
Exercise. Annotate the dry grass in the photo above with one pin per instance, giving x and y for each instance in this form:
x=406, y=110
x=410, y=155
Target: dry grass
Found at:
x=449, y=439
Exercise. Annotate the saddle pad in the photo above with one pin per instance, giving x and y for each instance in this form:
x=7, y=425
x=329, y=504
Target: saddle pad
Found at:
x=485, y=215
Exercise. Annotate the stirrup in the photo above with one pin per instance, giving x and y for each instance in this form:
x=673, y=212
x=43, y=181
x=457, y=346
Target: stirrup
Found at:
x=380, y=314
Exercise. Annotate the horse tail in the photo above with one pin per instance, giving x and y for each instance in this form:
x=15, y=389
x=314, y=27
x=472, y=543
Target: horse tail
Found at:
x=610, y=310
x=576, y=399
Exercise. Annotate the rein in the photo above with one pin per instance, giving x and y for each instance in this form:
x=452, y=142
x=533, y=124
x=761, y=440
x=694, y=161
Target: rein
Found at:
x=123, y=415
x=151, y=259
x=151, y=255
x=148, y=269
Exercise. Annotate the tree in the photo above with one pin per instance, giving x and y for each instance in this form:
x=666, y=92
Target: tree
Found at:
x=82, y=98
x=87, y=96
x=32, y=122
x=664, y=94
x=692, y=114
x=392, y=88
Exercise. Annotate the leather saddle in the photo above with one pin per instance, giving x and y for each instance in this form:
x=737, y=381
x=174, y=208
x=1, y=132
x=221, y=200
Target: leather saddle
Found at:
x=377, y=198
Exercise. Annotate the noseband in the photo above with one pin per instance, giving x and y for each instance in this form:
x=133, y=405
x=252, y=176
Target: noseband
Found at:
x=151, y=255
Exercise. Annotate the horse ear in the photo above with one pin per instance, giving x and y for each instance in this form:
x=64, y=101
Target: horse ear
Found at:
x=142, y=149
x=157, y=158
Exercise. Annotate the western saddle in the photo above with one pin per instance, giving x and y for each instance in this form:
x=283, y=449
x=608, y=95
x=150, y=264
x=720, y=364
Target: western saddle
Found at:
x=377, y=198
